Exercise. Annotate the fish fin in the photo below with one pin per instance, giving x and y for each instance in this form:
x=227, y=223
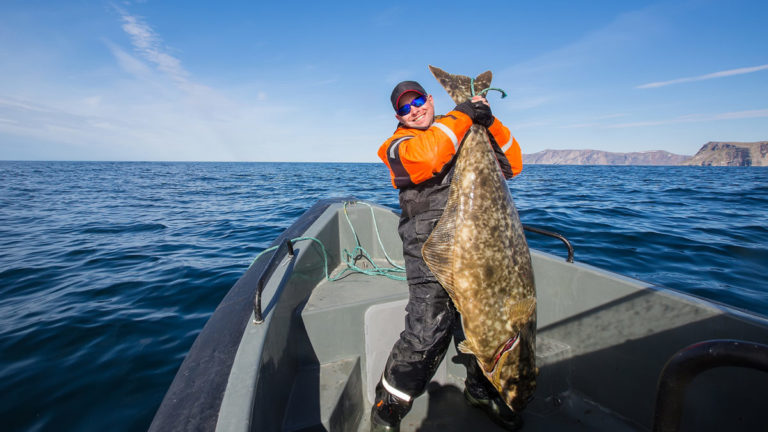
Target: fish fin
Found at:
x=523, y=308
x=459, y=86
x=464, y=347
x=438, y=249
x=520, y=313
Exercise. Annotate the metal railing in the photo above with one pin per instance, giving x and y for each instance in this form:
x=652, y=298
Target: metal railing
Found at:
x=554, y=235
x=286, y=247
x=691, y=361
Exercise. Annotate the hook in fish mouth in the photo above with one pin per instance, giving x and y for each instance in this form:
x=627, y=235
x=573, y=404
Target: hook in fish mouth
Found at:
x=508, y=346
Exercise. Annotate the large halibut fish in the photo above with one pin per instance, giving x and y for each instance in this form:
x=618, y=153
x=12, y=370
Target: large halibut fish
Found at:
x=479, y=254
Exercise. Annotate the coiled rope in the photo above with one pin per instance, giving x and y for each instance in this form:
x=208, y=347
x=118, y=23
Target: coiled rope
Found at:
x=482, y=92
x=357, y=253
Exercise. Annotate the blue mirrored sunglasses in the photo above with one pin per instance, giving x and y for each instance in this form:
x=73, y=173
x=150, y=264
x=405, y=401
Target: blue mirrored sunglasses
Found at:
x=405, y=109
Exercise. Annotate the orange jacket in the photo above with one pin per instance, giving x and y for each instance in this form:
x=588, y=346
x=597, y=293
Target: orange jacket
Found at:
x=415, y=155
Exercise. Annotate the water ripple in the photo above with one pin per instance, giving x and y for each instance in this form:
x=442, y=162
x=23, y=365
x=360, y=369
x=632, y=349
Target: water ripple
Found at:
x=109, y=271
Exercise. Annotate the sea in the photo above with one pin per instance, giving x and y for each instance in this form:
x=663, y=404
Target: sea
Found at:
x=109, y=270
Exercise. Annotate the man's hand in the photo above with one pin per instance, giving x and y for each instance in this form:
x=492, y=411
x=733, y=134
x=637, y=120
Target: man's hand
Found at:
x=483, y=114
x=478, y=110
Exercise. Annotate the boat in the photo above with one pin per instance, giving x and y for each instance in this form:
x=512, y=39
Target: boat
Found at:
x=299, y=343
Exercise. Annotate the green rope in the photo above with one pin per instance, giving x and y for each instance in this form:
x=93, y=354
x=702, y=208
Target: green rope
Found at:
x=378, y=235
x=351, y=258
x=482, y=92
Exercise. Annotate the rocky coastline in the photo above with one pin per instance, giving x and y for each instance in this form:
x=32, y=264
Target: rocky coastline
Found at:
x=714, y=153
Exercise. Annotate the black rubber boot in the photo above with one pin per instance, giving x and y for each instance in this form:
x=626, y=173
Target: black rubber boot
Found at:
x=387, y=411
x=495, y=408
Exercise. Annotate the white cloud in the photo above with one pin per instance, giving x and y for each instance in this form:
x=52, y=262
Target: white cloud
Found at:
x=154, y=112
x=146, y=42
x=596, y=123
x=127, y=62
x=721, y=74
x=695, y=118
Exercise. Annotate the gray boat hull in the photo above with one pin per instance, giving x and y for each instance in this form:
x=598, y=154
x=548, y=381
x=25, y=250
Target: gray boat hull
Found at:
x=603, y=340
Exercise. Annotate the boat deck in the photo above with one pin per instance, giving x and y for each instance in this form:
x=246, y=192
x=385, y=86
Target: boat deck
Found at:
x=442, y=408
x=353, y=312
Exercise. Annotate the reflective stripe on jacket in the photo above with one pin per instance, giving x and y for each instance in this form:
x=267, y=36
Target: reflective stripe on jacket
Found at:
x=415, y=155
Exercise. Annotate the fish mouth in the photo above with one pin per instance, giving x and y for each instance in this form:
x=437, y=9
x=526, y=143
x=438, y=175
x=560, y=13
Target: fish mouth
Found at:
x=508, y=346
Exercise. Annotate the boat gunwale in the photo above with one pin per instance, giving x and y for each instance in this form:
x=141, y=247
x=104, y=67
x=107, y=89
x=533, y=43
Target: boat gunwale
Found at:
x=194, y=397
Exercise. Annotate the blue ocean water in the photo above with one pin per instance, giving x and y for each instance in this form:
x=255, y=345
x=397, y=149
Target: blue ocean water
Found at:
x=108, y=271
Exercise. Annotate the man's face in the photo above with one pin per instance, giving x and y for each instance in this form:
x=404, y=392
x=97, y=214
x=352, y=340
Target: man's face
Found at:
x=419, y=117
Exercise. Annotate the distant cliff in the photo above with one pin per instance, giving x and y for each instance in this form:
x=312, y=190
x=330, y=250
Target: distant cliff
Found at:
x=731, y=154
x=598, y=157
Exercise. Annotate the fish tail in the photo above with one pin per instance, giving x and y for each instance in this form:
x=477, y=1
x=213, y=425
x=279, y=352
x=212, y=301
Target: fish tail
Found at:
x=461, y=87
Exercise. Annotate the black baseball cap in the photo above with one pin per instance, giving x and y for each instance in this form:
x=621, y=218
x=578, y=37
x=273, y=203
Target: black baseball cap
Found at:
x=403, y=88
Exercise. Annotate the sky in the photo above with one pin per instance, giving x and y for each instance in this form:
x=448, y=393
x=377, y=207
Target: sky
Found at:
x=310, y=81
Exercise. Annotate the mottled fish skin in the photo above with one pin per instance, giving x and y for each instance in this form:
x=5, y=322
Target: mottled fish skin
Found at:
x=479, y=254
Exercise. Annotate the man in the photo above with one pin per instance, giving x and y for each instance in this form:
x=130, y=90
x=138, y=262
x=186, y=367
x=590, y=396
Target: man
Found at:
x=421, y=157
